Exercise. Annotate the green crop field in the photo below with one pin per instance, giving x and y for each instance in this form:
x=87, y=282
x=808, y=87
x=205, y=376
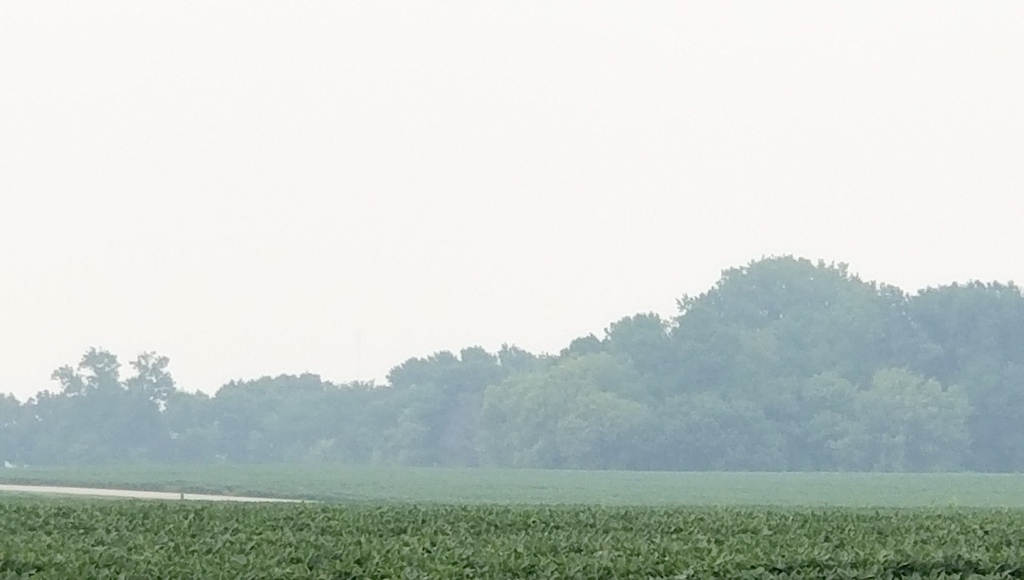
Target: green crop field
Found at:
x=377, y=485
x=147, y=540
x=439, y=523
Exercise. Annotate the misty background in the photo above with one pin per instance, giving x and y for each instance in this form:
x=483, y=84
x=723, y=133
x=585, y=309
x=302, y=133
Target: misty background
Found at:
x=257, y=189
x=250, y=187
x=783, y=365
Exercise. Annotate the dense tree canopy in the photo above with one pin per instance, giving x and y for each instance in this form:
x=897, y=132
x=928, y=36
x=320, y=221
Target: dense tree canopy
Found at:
x=784, y=364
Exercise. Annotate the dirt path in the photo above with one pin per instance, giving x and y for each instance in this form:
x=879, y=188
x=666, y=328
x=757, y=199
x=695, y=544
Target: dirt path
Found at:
x=133, y=494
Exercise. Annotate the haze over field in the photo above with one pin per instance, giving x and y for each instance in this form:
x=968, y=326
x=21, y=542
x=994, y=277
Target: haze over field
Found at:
x=269, y=188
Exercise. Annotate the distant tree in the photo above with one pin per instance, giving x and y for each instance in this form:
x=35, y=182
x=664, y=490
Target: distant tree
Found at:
x=644, y=340
x=787, y=318
x=271, y=419
x=97, y=417
x=151, y=380
x=602, y=430
x=906, y=422
x=971, y=324
x=978, y=335
x=440, y=398
x=192, y=428
x=11, y=426
x=516, y=360
x=582, y=346
x=705, y=431
x=783, y=364
x=578, y=413
x=815, y=415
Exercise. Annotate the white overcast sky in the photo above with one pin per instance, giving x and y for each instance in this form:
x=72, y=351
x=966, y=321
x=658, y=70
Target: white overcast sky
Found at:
x=259, y=187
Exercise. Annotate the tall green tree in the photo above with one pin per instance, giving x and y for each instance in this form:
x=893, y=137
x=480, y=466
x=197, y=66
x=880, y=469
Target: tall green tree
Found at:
x=98, y=417
x=581, y=413
x=11, y=425
x=645, y=341
x=906, y=422
x=977, y=331
x=706, y=431
x=440, y=399
x=814, y=416
x=271, y=419
x=789, y=318
x=152, y=380
x=192, y=428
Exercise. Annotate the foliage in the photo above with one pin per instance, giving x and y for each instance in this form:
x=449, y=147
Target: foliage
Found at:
x=784, y=364
x=186, y=540
x=977, y=336
x=704, y=431
x=577, y=413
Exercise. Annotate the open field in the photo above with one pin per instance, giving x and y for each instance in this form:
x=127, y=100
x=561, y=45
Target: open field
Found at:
x=376, y=485
x=437, y=523
x=138, y=539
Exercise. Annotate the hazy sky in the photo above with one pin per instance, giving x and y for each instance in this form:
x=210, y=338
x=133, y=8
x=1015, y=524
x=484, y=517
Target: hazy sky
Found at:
x=273, y=187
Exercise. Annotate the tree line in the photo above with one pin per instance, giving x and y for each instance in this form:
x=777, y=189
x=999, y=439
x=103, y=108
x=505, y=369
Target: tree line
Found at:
x=784, y=364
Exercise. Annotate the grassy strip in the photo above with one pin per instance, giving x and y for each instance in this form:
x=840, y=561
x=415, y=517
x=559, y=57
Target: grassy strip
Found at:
x=375, y=485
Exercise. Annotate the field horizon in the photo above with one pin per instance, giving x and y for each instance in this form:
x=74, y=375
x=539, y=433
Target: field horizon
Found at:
x=390, y=522
x=438, y=485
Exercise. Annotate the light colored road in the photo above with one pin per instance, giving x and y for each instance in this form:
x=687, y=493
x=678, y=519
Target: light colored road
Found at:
x=132, y=494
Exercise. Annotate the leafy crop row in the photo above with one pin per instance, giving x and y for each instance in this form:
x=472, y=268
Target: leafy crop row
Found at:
x=185, y=540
